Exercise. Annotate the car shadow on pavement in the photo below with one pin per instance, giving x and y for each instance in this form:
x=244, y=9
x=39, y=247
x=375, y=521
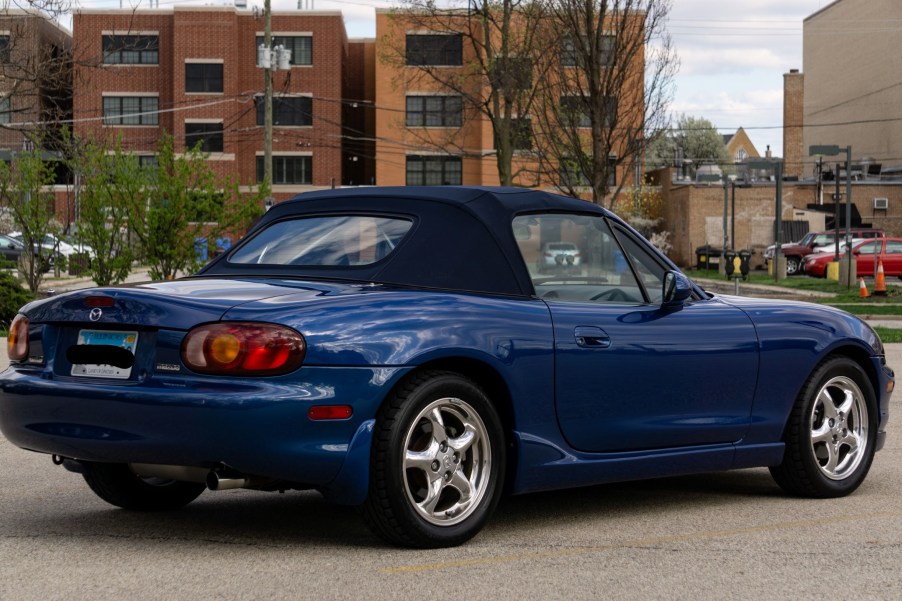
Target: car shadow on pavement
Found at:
x=295, y=519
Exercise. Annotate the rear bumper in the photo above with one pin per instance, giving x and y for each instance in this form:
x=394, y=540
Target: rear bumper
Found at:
x=257, y=426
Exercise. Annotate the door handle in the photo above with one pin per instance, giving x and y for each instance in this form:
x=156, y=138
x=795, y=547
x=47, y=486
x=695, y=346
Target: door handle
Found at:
x=591, y=337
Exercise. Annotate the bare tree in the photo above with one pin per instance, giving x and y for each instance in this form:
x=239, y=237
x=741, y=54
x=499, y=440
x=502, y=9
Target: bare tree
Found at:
x=35, y=72
x=494, y=45
x=609, y=91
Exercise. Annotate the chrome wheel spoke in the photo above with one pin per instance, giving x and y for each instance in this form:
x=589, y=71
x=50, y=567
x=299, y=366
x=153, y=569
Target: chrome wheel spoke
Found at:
x=826, y=401
x=847, y=403
x=433, y=495
x=832, y=459
x=460, y=482
x=822, y=434
x=438, y=424
x=421, y=460
x=465, y=440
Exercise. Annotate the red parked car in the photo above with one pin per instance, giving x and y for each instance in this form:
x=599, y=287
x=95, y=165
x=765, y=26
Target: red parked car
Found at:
x=866, y=253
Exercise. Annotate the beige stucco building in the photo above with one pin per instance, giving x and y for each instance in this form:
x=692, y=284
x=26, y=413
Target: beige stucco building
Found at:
x=853, y=72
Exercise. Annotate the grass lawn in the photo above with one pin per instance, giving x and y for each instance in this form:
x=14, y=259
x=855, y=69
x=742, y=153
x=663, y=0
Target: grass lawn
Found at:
x=848, y=299
x=889, y=335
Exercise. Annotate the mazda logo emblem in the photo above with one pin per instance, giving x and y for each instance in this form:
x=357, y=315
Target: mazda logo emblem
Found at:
x=95, y=314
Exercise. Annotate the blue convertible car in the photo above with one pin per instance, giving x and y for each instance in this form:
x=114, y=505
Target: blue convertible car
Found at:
x=413, y=351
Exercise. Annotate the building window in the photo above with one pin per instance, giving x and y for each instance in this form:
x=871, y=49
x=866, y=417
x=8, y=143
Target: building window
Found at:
x=6, y=109
x=287, y=111
x=433, y=111
x=741, y=155
x=571, y=56
x=4, y=48
x=203, y=77
x=573, y=111
x=521, y=133
x=512, y=73
x=571, y=176
x=131, y=110
x=301, y=47
x=210, y=136
x=433, y=171
x=288, y=170
x=435, y=49
x=131, y=49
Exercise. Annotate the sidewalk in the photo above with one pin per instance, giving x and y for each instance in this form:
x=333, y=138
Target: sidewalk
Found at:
x=64, y=283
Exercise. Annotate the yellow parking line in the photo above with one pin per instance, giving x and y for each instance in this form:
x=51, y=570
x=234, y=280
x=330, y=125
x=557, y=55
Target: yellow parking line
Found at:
x=642, y=542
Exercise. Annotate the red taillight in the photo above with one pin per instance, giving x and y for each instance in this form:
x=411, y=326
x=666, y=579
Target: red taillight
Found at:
x=243, y=349
x=17, y=342
x=326, y=412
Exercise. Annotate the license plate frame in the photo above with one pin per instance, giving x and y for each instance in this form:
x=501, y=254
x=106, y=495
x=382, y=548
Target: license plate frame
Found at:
x=127, y=339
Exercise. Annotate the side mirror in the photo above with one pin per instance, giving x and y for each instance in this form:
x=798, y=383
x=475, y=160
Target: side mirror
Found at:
x=677, y=289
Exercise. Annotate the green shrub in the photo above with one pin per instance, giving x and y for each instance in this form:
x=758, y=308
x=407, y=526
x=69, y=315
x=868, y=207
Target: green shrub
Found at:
x=12, y=297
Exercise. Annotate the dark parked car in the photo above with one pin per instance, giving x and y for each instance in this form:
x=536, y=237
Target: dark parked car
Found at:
x=391, y=348
x=10, y=249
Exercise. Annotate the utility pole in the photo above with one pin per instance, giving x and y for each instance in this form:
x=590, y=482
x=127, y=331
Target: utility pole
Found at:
x=267, y=103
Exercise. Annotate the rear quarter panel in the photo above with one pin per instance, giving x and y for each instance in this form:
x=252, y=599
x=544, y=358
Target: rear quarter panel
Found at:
x=410, y=328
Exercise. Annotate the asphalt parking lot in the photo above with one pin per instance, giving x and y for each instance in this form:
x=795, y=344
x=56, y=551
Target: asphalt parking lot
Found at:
x=726, y=535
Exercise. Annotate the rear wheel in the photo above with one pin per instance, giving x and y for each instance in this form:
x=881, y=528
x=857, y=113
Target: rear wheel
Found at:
x=831, y=434
x=437, y=463
x=118, y=485
x=792, y=265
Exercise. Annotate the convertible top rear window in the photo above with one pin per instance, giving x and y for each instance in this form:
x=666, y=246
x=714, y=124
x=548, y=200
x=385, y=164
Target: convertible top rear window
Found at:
x=334, y=241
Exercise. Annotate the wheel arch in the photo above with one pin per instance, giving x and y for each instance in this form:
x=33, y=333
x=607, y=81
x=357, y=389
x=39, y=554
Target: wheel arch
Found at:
x=492, y=383
x=862, y=358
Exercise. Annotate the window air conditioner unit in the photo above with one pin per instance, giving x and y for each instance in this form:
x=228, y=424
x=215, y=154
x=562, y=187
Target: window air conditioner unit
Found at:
x=881, y=203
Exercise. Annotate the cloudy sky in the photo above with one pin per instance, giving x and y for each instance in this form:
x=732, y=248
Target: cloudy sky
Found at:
x=732, y=54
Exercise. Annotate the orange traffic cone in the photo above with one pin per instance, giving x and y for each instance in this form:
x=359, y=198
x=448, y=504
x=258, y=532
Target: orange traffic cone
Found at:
x=864, y=289
x=880, y=284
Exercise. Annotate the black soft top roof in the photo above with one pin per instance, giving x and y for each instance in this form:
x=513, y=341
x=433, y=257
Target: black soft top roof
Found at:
x=461, y=238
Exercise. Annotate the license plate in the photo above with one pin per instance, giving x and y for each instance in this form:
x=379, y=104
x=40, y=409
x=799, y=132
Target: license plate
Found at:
x=124, y=340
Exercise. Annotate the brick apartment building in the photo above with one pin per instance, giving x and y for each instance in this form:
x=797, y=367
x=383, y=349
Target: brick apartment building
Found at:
x=425, y=133
x=192, y=72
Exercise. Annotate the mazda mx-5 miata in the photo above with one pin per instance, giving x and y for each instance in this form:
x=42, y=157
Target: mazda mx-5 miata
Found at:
x=399, y=349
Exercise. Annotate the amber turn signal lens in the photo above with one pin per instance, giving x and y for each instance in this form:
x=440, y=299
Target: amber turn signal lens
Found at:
x=17, y=341
x=224, y=348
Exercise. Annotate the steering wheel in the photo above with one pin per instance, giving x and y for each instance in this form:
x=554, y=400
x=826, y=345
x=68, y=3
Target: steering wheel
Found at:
x=614, y=294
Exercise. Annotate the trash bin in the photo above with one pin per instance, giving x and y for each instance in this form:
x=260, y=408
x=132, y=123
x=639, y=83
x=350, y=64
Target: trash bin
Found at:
x=707, y=257
x=200, y=249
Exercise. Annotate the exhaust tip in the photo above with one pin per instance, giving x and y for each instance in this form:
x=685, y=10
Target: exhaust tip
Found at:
x=218, y=481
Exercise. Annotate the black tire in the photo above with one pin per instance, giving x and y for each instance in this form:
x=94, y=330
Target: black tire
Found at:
x=792, y=265
x=831, y=434
x=118, y=485
x=437, y=464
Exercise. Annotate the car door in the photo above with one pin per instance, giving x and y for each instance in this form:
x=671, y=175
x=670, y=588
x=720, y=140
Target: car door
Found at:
x=629, y=374
x=892, y=258
x=866, y=256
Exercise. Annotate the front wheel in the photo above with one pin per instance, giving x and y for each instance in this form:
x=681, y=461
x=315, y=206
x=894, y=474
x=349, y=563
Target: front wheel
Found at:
x=437, y=463
x=118, y=485
x=831, y=434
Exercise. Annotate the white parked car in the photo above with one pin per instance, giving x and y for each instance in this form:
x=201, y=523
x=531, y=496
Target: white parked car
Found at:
x=62, y=247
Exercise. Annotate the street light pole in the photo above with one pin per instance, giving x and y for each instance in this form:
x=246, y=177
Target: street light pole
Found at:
x=834, y=150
